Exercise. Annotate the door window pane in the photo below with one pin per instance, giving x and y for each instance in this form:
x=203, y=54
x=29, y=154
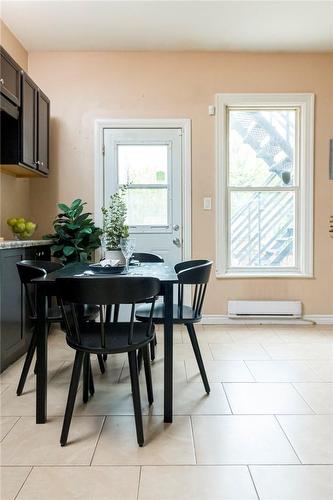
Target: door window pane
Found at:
x=142, y=164
x=262, y=229
x=147, y=206
x=262, y=148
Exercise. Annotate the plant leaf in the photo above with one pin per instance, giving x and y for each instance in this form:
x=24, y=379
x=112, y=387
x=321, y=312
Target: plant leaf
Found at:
x=68, y=250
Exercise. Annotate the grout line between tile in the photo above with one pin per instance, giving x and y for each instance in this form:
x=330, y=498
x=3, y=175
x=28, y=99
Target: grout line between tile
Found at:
x=301, y=396
x=282, y=429
x=226, y=395
x=194, y=449
x=254, y=484
x=139, y=482
x=17, y=419
x=98, y=438
x=17, y=494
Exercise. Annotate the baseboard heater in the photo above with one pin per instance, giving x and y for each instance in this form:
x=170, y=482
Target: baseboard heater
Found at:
x=264, y=309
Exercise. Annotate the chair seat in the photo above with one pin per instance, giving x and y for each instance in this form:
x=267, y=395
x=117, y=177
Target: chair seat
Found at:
x=179, y=316
x=116, y=338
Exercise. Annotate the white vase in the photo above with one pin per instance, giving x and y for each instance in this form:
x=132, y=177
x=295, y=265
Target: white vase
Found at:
x=115, y=255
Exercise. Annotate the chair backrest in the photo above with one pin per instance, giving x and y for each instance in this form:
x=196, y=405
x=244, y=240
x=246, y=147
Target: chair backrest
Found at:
x=32, y=269
x=104, y=291
x=193, y=272
x=147, y=257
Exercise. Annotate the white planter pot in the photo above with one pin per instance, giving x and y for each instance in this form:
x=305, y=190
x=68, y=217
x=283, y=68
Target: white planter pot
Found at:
x=115, y=254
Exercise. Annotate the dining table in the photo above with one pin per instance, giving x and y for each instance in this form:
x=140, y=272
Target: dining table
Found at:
x=46, y=287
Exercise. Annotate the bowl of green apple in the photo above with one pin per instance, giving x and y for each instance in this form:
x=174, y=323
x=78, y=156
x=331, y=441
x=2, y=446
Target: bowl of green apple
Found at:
x=22, y=229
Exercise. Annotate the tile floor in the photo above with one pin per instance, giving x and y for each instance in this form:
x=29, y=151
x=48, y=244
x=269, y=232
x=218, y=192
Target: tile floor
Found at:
x=265, y=431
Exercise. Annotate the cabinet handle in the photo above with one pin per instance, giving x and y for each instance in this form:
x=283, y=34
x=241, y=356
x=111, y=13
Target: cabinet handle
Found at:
x=42, y=163
x=2, y=81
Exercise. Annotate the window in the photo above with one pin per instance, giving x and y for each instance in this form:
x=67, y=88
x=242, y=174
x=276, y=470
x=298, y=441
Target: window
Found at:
x=265, y=183
x=144, y=167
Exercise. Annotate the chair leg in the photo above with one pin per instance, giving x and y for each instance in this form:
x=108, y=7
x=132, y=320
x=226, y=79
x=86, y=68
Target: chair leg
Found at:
x=152, y=350
x=149, y=384
x=196, y=349
x=100, y=358
x=86, y=376
x=133, y=366
x=91, y=381
x=27, y=364
x=71, y=396
x=139, y=360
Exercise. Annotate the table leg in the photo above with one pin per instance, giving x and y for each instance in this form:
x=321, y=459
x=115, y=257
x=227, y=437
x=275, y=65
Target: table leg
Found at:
x=168, y=351
x=41, y=358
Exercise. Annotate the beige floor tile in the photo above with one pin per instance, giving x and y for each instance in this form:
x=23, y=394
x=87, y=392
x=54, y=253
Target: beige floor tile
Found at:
x=237, y=439
x=294, y=482
x=324, y=369
x=219, y=371
x=305, y=334
x=265, y=398
x=6, y=424
x=25, y=405
x=177, y=336
x=157, y=371
x=185, y=351
x=282, y=371
x=113, y=368
x=311, y=436
x=256, y=336
x=300, y=350
x=13, y=372
x=31, y=444
x=84, y=483
x=319, y=396
x=238, y=351
x=165, y=444
x=196, y=483
x=206, y=335
x=12, y=479
x=3, y=387
x=191, y=399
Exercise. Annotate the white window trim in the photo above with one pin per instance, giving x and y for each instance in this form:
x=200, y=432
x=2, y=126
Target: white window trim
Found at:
x=305, y=102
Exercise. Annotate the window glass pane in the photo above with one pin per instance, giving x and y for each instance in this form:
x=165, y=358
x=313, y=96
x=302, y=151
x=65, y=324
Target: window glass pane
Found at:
x=147, y=207
x=261, y=147
x=262, y=229
x=143, y=163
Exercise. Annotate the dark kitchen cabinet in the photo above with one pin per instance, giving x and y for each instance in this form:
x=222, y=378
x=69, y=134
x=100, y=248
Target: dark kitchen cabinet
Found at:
x=43, y=132
x=29, y=122
x=12, y=307
x=15, y=327
x=24, y=126
x=10, y=77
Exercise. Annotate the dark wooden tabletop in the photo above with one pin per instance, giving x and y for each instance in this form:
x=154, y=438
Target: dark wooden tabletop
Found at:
x=165, y=273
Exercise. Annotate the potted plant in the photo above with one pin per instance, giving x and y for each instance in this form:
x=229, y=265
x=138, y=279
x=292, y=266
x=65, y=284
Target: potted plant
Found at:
x=75, y=235
x=114, y=225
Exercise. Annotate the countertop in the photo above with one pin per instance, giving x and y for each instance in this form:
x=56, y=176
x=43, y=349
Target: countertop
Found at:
x=23, y=243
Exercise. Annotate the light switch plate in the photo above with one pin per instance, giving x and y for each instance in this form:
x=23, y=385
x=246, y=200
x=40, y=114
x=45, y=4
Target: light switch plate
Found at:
x=207, y=203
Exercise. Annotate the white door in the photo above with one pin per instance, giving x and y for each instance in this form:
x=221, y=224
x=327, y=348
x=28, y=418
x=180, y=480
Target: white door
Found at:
x=149, y=161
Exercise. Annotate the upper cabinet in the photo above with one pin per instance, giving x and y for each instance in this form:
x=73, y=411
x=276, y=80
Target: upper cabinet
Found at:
x=10, y=81
x=25, y=134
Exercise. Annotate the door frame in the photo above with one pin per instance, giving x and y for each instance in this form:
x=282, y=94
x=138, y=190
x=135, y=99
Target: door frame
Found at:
x=186, y=167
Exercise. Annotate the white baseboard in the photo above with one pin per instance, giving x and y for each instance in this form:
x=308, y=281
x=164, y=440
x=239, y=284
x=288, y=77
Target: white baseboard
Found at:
x=216, y=319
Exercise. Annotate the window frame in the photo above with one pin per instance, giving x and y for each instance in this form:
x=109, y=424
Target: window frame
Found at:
x=304, y=102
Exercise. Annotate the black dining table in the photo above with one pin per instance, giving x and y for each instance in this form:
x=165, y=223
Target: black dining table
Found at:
x=46, y=286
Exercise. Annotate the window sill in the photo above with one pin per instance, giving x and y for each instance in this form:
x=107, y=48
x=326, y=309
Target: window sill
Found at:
x=247, y=275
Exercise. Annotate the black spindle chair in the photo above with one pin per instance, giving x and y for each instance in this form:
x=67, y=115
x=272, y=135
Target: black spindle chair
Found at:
x=104, y=337
x=192, y=272
x=29, y=270
x=147, y=257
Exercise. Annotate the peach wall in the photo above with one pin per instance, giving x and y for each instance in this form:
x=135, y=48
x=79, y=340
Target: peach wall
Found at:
x=85, y=86
x=14, y=193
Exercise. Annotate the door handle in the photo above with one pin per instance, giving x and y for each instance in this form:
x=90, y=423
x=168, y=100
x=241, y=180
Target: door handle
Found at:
x=176, y=227
x=176, y=241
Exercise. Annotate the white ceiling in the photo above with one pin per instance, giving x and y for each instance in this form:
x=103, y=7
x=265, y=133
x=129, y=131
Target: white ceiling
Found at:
x=171, y=25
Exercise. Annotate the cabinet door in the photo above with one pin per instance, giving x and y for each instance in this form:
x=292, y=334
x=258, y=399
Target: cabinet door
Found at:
x=12, y=339
x=43, y=132
x=29, y=122
x=10, y=76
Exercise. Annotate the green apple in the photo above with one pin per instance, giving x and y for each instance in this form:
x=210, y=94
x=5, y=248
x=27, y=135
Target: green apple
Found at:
x=30, y=227
x=25, y=235
x=11, y=221
x=19, y=227
x=21, y=219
